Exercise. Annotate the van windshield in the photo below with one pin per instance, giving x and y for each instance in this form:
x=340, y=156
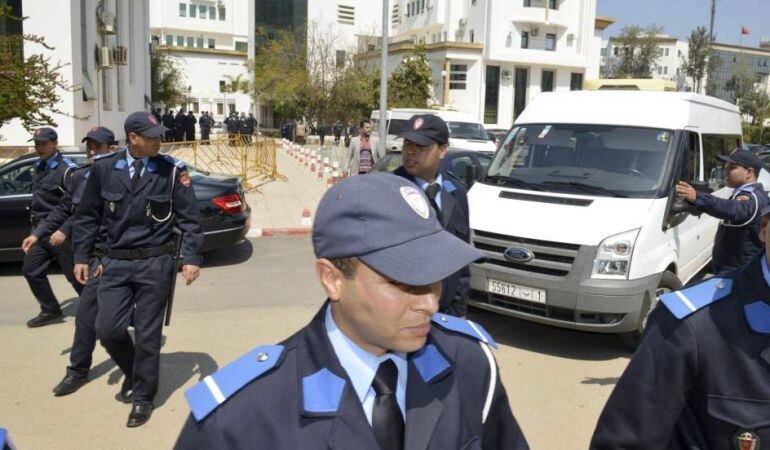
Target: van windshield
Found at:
x=584, y=159
x=467, y=130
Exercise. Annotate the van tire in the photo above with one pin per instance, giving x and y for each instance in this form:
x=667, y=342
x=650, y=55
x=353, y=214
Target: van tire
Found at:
x=669, y=282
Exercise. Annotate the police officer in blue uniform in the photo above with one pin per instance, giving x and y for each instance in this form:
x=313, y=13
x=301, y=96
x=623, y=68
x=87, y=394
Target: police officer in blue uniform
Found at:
x=52, y=177
x=99, y=141
x=139, y=196
x=426, y=139
x=737, y=240
x=376, y=367
x=700, y=378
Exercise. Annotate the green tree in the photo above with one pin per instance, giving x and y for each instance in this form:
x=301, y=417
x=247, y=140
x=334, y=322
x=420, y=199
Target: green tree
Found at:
x=166, y=80
x=639, y=51
x=700, y=52
x=30, y=85
x=411, y=83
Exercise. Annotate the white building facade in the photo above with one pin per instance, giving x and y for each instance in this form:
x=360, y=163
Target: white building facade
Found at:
x=104, y=46
x=209, y=42
x=490, y=58
x=671, y=52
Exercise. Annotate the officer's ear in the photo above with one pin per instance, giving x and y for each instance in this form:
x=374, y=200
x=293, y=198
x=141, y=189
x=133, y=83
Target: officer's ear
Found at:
x=331, y=278
x=763, y=230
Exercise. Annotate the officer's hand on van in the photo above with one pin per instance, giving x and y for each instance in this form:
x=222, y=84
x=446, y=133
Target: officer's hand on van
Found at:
x=57, y=238
x=190, y=273
x=687, y=192
x=81, y=273
x=28, y=242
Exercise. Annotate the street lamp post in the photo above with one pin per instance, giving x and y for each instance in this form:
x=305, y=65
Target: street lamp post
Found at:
x=384, y=77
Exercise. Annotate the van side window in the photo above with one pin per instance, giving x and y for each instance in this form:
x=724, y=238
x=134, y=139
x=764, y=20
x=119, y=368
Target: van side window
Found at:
x=690, y=169
x=714, y=169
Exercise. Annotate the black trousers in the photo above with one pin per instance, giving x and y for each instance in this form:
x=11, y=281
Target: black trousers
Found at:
x=143, y=284
x=35, y=270
x=85, y=326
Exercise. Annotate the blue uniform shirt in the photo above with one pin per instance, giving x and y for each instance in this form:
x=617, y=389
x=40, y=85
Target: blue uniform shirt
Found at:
x=361, y=366
x=130, y=160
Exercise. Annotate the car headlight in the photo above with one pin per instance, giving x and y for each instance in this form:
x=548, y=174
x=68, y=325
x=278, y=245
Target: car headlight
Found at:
x=613, y=257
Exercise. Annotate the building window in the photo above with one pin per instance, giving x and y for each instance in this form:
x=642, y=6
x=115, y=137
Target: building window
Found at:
x=576, y=82
x=202, y=11
x=221, y=12
x=553, y=4
x=527, y=3
x=106, y=90
x=169, y=40
x=550, y=41
x=346, y=14
x=492, y=94
x=340, y=58
x=212, y=43
x=546, y=84
x=660, y=70
x=241, y=46
x=471, y=36
x=667, y=51
x=119, y=69
x=193, y=10
x=222, y=85
x=190, y=41
x=422, y=6
x=180, y=41
x=665, y=70
x=155, y=40
x=525, y=39
x=212, y=13
x=616, y=51
x=199, y=42
x=473, y=2
x=458, y=76
x=196, y=107
x=182, y=10
x=220, y=108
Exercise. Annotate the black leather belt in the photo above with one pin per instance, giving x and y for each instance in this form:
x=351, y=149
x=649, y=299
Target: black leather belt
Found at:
x=140, y=253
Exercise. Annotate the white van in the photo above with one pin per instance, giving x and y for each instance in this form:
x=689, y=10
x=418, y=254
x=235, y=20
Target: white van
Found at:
x=465, y=133
x=578, y=215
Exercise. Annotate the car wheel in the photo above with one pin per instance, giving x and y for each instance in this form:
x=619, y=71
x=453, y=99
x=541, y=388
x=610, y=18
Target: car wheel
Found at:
x=669, y=282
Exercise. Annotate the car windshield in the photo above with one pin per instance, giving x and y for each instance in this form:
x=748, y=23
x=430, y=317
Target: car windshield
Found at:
x=467, y=130
x=396, y=126
x=588, y=159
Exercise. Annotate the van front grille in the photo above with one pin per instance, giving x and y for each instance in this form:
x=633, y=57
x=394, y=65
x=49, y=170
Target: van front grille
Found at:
x=550, y=258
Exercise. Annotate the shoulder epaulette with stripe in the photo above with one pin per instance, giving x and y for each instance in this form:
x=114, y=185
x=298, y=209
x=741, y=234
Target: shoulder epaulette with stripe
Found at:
x=462, y=326
x=215, y=389
x=173, y=161
x=104, y=155
x=687, y=301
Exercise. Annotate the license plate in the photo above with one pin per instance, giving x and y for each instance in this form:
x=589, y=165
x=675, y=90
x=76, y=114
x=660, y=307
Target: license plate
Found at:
x=516, y=291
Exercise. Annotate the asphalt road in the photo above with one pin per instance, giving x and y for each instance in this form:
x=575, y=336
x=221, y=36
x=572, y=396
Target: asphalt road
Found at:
x=257, y=293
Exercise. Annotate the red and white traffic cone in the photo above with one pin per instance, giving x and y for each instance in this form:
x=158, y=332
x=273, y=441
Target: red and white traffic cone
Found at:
x=306, y=220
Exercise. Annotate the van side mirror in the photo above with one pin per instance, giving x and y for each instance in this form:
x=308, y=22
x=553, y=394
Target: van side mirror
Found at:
x=470, y=175
x=701, y=186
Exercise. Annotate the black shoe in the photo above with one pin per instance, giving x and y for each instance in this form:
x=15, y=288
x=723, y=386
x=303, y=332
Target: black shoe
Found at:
x=126, y=393
x=69, y=384
x=140, y=414
x=44, y=318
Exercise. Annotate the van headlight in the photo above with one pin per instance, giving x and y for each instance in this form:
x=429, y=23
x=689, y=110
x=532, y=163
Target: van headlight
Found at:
x=613, y=257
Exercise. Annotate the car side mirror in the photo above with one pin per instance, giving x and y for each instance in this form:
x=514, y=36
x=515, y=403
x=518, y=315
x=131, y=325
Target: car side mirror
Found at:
x=470, y=175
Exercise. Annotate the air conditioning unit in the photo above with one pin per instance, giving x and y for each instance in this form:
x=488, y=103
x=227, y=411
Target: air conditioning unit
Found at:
x=463, y=23
x=104, y=57
x=121, y=56
x=506, y=75
x=534, y=31
x=570, y=37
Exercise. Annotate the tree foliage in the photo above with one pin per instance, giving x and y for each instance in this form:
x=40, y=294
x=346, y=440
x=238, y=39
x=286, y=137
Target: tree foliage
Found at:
x=411, y=83
x=30, y=85
x=639, y=52
x=166, y=80
x=696, y=63
x=752, y=99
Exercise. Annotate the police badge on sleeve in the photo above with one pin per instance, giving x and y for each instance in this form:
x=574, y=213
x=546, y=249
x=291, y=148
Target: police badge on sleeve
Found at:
x=746, y=440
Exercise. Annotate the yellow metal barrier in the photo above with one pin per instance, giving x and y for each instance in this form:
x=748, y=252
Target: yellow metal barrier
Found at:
x=252, y=158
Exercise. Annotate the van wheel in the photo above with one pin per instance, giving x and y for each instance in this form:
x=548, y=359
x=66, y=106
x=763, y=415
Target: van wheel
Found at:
x=668, y=282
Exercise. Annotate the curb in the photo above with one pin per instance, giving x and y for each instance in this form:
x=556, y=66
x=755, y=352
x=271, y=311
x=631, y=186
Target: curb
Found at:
x=278, y=232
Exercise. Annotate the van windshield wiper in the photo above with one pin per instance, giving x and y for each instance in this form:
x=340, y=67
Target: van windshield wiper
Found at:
x=501, y=179
x=592, y=188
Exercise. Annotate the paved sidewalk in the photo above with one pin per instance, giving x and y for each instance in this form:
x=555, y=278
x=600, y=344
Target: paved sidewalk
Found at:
x=277, y=210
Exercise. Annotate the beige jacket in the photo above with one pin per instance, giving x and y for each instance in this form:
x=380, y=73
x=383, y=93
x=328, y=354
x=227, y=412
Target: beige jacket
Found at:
x=353, y=155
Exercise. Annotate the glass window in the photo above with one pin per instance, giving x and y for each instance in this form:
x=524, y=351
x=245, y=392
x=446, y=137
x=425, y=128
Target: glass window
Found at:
x=193, y=10
x=340, y=58
x=190, y=41
x=527, y=3
x=220, y=108
x=689, y=169
x=199, y=42
x=221, y=12
x=17, y=181
x=492, y=94
x=467, y=130
x=241, y=46
x=546, y=84
x=222, y=85
x=182, y=10
x=553, y=4
x=576, y=82
x=212, y=13
x=471, y=36
x=202, y=11
x=180, y=41
x=525, y=39
x=196, y=107
x=713, y=168
x=591, y=159
x=211, y=43
x=169, y=40
x=460, y=168
x=667, y=51
x=458, y=76
x=550, y=41
x=422, y=6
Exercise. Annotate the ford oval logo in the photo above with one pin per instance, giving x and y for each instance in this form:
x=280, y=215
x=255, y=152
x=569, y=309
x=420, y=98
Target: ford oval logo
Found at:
x=518, y=254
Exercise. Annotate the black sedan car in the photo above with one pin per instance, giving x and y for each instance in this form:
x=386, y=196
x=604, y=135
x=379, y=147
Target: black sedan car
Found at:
x=466, y=165
x=225, y=216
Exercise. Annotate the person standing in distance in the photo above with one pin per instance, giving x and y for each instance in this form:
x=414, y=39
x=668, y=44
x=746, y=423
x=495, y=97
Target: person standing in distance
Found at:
x=139, y=196
x=51, y=181
x=376, y=367
x=363, y=152
x=737, y=240
x=426, y=140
